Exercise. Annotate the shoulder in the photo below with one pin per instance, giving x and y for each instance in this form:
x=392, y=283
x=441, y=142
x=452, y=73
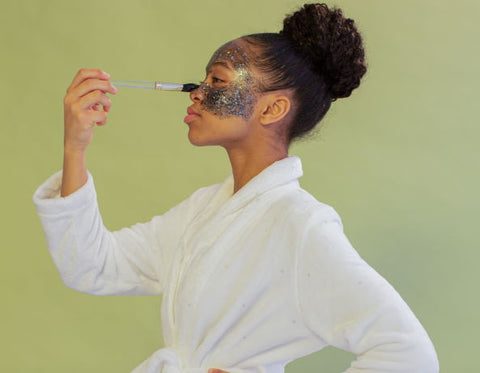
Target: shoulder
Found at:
x=304, y=210
x=197, y=200
x=320, y=237
x=314, y=226
x=205, y=193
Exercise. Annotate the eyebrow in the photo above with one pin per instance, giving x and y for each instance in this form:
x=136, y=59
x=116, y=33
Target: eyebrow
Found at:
x=221, y=63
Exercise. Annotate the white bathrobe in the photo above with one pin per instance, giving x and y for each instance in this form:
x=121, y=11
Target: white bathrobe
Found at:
x=251, y=280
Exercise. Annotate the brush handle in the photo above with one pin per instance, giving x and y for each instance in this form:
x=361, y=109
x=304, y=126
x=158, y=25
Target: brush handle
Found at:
x=142, y=84
x=160, y=86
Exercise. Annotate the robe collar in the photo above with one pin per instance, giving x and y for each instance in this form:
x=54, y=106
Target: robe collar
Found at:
x=282, y=172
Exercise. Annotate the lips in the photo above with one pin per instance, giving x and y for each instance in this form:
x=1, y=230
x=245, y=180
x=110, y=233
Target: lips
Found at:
x=191, y=115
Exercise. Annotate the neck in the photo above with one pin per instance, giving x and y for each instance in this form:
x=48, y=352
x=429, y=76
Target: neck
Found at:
x=247, y=162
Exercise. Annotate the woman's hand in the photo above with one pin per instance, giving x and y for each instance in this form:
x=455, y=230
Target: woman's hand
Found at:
x=215, y=370
x=86, y=104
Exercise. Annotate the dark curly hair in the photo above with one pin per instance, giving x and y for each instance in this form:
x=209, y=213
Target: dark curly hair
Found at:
x=319, y=54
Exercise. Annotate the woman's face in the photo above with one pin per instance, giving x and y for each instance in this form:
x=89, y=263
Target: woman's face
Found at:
x=224, y=105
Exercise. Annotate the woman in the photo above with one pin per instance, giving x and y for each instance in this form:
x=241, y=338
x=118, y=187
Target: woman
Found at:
x=254, y=272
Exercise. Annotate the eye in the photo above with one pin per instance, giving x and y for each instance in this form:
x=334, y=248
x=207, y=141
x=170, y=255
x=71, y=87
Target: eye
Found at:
x=217, y=80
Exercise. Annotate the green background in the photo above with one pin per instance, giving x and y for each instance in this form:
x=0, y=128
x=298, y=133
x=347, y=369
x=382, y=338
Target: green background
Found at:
x=399, y=161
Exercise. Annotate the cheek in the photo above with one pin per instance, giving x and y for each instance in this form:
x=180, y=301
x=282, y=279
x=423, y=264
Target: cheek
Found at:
x=234, y=100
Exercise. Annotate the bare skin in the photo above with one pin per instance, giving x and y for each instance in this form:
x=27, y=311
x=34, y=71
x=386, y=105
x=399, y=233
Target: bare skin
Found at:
x=215, y=370
x=86, y=105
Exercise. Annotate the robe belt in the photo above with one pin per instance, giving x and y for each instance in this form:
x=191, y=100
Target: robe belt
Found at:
x=165, y=360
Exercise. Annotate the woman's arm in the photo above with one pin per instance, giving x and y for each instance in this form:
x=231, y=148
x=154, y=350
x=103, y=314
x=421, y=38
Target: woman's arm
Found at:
x=90, y=258
x=350, y=306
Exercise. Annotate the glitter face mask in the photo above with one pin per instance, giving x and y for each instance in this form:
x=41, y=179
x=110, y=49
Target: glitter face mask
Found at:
x=237, y=98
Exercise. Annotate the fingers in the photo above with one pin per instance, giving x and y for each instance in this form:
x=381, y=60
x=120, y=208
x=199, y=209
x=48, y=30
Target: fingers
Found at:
x=215, y=370
x=84, y=121
x=85, y=74
x=98, y=117
x=88, y=108
x=88, y=92
x=90, y=85
x=94, y=100
x=83, y=104
x=88, y=88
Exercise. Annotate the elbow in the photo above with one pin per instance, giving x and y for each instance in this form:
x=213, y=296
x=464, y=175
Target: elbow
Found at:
x=401, y=351
x=426, y=355
x=90, y=286
x=81, y=284
x=421, y=350
x=402, y=355
x=93, y=284
x=418, y=354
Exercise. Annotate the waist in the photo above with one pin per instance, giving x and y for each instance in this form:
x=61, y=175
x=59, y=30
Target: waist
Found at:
x=167, y=360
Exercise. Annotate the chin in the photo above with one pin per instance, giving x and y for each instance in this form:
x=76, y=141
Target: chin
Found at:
x=198, y=140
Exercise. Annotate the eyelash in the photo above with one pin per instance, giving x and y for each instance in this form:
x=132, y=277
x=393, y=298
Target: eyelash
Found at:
x=214, y=80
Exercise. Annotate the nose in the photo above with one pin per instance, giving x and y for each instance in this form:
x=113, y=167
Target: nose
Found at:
x=197, y=95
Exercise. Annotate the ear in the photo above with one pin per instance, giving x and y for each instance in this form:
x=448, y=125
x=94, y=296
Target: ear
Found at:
x=275, y=107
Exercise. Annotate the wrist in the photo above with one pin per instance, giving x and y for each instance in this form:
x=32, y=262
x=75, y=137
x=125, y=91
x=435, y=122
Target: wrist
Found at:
x=73, y=152
x=74, y=170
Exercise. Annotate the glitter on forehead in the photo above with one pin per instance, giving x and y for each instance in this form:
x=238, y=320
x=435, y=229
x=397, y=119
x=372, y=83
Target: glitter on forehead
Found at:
x=231, y=52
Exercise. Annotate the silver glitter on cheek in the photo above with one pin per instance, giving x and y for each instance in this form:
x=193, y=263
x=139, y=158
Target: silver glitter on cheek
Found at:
x=237, y=98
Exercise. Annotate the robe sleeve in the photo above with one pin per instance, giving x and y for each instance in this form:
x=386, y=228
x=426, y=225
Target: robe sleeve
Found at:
x=350, y=306
x=93, y=260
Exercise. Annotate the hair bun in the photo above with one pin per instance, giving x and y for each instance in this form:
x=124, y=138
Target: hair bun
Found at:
x=330, y=44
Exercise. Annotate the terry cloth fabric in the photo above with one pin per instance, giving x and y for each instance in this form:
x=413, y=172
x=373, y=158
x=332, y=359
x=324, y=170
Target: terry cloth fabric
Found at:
x=251, y=280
